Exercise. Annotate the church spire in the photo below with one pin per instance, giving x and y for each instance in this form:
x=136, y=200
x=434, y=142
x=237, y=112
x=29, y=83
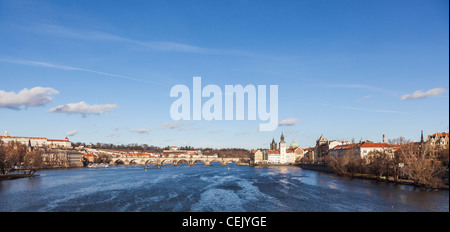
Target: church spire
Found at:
x=273, y=145
x=282, y=138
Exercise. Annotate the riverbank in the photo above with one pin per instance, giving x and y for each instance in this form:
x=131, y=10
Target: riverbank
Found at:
x=15, y=176
x=325, y=168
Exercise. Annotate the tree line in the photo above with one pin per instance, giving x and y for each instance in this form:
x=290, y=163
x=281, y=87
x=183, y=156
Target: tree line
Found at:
x=15, y=155
x=421, y=163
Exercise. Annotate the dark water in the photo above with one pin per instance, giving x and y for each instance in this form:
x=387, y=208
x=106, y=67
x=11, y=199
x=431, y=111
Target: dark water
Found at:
x=217, y=188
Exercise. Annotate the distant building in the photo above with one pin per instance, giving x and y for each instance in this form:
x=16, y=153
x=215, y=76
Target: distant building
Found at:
x=440, y=139
x=309, y=153
x=363, y=149
x=322, y=147
x=273, y=157
x=281, y=154
x=258, y=156
x=63, y=158
x=38, y=142
x=174, y=151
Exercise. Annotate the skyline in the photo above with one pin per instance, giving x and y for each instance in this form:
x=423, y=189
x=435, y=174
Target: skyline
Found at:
x=102, y=71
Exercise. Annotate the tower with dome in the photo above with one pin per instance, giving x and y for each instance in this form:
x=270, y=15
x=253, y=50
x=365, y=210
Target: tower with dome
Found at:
x=283, y=154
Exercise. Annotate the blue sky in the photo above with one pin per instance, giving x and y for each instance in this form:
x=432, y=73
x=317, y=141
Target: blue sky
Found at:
x=101, y=71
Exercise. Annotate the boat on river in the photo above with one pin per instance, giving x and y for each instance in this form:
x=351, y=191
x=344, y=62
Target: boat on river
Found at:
x=100, y=165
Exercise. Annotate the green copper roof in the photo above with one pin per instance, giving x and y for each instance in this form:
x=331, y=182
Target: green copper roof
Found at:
x=293, y=144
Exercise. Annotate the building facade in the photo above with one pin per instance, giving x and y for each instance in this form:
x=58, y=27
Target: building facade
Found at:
x=363, y=149
x=282, y=154
x=258, y=156
x=37, y=142
x=440, y=139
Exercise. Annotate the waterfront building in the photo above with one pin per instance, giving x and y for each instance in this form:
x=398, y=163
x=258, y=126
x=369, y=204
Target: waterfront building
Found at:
x=335, y=143
x=258, y=156
x=281, y=154
x=62, y=158
x=37, y=142
x=309, y=153
x=322, y=147
x=363, y=149
x=295, y=154
x=273, y=157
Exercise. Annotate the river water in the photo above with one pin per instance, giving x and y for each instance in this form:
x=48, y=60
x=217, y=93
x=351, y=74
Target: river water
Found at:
x=215, y=188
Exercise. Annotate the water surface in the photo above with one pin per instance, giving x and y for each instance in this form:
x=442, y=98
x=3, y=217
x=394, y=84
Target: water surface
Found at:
x=217, y=188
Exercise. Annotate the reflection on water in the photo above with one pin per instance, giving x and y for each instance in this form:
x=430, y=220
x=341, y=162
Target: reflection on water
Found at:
x=214, y=188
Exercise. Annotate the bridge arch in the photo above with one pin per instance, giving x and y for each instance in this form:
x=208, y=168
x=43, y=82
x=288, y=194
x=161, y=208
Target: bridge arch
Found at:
x=182, y=161
x=166, y=161
x=119, y=162
x=134, y=162
x=151, y=161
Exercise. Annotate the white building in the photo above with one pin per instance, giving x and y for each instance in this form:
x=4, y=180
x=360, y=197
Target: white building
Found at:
x=258, y=156
x=37, y=141
x=273, y=157
x=363, y=149
x=284, y=157
x=283, y=154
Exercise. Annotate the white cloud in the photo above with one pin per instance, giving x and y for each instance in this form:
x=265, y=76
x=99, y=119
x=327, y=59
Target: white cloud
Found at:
x=83, y=108
x=288, y=122
x=140, y=131
x=173, y=125
x=420, y=94
x=71, y=133
x=36, y=96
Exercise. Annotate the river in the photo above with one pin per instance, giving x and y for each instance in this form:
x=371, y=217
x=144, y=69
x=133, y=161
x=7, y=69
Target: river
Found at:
x=215, y=188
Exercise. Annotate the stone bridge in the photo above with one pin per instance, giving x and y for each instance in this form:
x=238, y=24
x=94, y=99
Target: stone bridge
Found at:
x=173, y=161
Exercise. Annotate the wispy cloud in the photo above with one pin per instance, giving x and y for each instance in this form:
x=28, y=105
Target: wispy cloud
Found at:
x=288, y=122
x=71, y=133
x=70, y=68
x=363, y=109
x=83, y=108
x=86, y=34
x=36, y=96
x=96, y=35
x=364, y=98
x=173, y=125
x=350, y=86
x=420, y=94
x=140, y=131
x=358, y=86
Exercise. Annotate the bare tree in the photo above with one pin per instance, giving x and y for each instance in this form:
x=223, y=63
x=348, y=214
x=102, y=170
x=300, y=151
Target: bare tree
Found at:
x=400, y=141
x=15, y=152
x=2, y=158
x=34, y=161
x=425, y=170
x=380, y=164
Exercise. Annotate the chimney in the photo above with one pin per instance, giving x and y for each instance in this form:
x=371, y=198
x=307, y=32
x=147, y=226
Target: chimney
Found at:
x=383, y=138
